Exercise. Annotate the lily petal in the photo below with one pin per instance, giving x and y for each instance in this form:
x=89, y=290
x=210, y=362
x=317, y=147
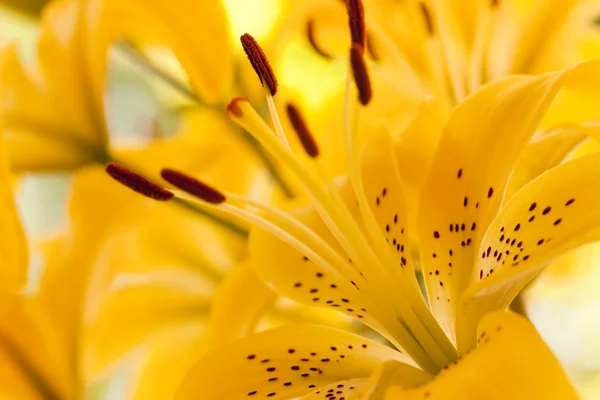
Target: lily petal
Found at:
x=232, y=319
x=383, y=189
x=388, y=374
x=348, y=389
x=284, y=363
x=196, y=31
x=555, y=213
x=415, y=148
x=30, y=342
x=551, y=147
x=479, y=147
x=60, y=98
x=510, y=362
x=307, y=282
x=14, y=253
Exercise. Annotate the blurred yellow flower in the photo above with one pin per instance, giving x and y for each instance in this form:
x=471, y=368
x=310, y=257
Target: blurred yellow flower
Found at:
x=479, y=244
x=33, y=361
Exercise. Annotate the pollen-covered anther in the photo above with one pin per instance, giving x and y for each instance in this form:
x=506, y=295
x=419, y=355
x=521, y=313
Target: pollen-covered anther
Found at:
x=427, y=18
x=259, y=62
x=137, y=183
x=356, y=21
x=361, y=75
x=494, y=3
x=301, y=128
x=312, y=39
x=192, y=186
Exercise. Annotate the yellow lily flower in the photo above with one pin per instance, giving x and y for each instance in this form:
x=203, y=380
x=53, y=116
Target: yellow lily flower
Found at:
x=448, y=49
x=348, y=250
x=53, y=112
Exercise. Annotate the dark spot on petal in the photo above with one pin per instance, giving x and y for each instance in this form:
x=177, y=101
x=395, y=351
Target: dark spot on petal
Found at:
x=546, y=210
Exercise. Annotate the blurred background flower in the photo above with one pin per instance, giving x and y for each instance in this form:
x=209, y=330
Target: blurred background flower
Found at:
x=142, y=107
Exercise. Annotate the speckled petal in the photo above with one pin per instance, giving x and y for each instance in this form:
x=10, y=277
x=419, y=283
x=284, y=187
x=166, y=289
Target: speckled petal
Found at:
x=284, y=363
x=556, y=212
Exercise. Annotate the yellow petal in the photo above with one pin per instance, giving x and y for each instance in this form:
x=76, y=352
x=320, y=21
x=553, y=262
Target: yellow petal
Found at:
x=288, y=362
x=415, y=148
x=510, y=362
x=62, y=43
x=207, y=146
x=550, y=148
x=14, y=254
x=542, y=24
x=385, y=195
x=348, y=389
x=315, y=285
x=94, y=202
x=178, y=347
x=478, y=150
x=35, y=353
x=231, y=319
x=59, y=99
x=388, y=374
x=555, y=213
x=196, y=31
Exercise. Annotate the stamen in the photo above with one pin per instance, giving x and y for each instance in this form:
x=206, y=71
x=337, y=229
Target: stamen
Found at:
x=393, y=330
x=494, y=3
x=137, y=183
x=310, y=34
x=361, y=75
x=300, y=231
x=299, y=125
x=356, y=20
x=427, y=18
x=259, y=62
x=233, y=107
x=192, y=186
